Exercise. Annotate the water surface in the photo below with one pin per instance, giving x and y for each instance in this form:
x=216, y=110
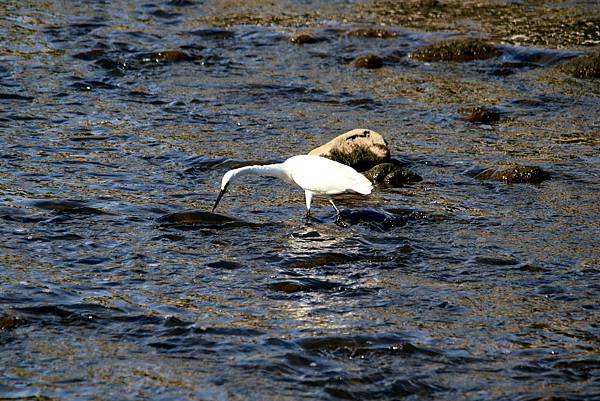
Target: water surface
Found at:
x=113, y=116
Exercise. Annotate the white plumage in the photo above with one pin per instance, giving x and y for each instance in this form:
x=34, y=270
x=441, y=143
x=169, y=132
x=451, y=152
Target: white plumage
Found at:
x=314, y=174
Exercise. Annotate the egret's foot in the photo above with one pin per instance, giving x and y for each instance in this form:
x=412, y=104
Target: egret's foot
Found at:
x=309, y=219
x=339, y=222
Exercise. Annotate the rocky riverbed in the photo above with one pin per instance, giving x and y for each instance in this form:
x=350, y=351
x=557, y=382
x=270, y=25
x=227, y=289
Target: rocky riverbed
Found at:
x=471, y=272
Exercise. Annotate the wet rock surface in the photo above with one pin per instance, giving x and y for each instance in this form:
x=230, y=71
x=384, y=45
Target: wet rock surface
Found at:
x=460, y=50
x=391, y=175
x=369, y=61
x=516, y=174
x=166, y=56
x=199, y=219
x=305, y=38
x=66, y=207
x=481, y=115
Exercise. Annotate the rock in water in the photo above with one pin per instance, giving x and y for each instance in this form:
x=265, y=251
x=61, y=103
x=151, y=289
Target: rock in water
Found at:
x=369, y=61
x=170, y=56
x=481, y=115
x=199, y=219
x=359, y=148
x=516, y=174
x=62, y=206
x=459, y=50
x=391, y=175
x=304, y=38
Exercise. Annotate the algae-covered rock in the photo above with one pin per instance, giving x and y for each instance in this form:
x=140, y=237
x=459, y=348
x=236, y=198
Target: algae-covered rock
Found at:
x=482, y=115
x=583, y=67
x=360, y=148
x=370, y=61
x=460, y=50
x=391, y=175
x=516, y=174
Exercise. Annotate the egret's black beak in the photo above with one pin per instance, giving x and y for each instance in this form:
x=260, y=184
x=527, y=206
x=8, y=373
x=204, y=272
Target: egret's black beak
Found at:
x=219, y=198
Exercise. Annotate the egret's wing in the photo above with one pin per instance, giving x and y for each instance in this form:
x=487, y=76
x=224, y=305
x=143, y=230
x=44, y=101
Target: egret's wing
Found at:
x=326, y=177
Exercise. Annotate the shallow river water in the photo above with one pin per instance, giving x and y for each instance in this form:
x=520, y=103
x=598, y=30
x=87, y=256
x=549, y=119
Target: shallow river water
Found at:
x=467, y=289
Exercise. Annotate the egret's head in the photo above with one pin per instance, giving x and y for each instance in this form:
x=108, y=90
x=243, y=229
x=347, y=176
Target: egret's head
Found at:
x=224, y=184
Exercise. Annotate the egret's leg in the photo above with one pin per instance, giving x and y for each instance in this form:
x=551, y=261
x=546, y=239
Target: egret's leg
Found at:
x=337, y=211
x=308, y=195
x=338, y=220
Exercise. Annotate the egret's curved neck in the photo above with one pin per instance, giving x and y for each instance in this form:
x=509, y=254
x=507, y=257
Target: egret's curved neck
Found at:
x=269, y=170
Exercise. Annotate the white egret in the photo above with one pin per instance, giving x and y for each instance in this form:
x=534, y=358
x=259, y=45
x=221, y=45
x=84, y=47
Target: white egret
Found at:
x=316, y=175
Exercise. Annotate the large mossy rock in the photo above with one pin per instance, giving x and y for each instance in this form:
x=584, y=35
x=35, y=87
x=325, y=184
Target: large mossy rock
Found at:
x=359, y=148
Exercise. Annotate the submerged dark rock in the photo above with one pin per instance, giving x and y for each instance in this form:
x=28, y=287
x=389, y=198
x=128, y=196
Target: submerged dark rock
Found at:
x=225, y=265
x=586, y=67
x=516, y=174
x=304, y=285
x=369, y=61
x=66, y=207
x=481, y=115
x=459, y=50
x=199, y=219
x=391, y=175
x=358, y=148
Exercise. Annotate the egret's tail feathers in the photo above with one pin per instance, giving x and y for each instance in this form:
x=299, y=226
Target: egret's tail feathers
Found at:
x=363, y=185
